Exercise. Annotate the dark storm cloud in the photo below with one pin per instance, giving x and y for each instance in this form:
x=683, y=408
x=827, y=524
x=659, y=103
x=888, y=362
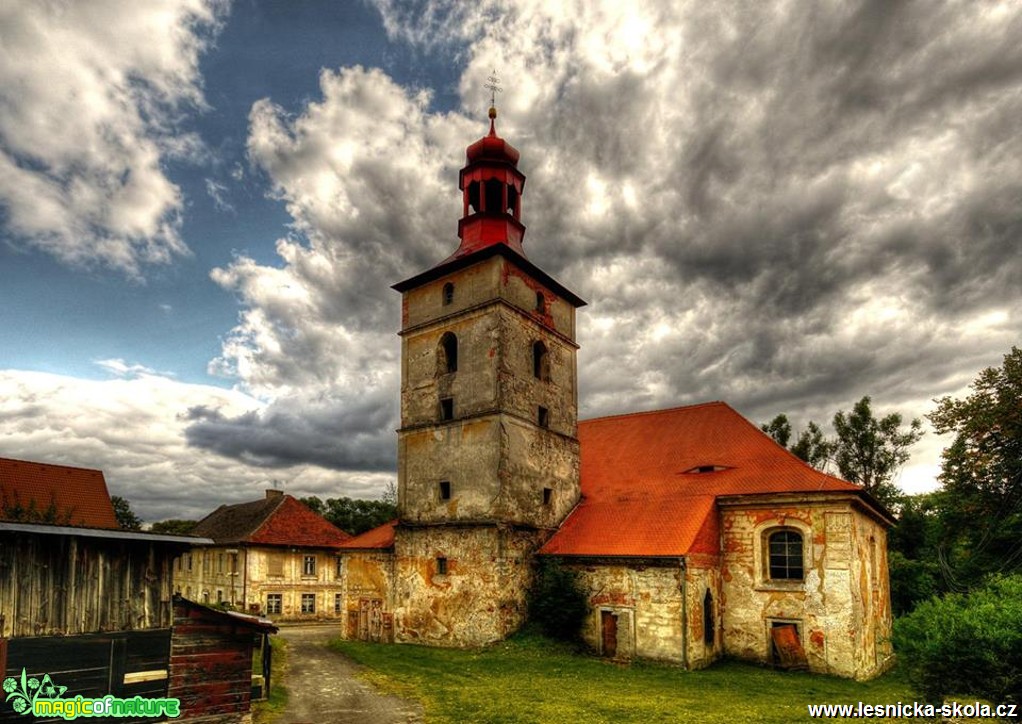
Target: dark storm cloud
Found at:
x=323, y=432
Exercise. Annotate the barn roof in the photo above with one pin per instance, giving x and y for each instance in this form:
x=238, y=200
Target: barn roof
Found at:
x=77, y=496
x=380, y=537
x=650, y=480
x=278, y=519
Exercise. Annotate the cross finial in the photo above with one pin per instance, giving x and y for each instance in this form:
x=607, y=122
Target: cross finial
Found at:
x=493, y=85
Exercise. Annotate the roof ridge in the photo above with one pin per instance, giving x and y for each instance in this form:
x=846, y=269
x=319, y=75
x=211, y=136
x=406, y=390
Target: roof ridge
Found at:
x=640, y=413
x=279, y=501
x=49, y=465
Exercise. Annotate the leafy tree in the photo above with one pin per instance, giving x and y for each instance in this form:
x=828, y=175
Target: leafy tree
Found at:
x=966, y=644
x=981, y=474
x=813, y=447
x=912, y=552
x=810, y=445
x=869, y=451
x=557, y=603
x=779, y=429
x=174, y=526
x=353, y=515
x=126, y=518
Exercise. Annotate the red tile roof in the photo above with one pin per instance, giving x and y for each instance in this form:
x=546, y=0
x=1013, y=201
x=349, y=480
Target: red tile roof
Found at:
x=642, y=496
x=276, y=520
x=79, y=495
x=382, y=536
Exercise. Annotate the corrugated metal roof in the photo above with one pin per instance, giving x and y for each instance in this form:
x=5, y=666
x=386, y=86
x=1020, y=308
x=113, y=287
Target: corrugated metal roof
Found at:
x=78, y=495
x=642, y=494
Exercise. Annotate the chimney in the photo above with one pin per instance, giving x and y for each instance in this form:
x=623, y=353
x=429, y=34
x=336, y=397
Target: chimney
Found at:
x=274, y=494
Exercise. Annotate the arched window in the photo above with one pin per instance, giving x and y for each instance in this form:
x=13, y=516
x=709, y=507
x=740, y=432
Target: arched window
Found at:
x=540, y=361
x=512, y=200
x=448, y=293
x=473, y=196
x=447, y=354
x=708, y=636
x=784, y=552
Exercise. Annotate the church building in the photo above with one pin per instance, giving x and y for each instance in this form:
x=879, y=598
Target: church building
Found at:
x=695, y=535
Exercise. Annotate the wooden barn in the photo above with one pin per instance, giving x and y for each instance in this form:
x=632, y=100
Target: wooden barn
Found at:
x=90, y=605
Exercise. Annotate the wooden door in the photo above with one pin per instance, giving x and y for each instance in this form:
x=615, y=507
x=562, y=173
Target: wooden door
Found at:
x=608, y=620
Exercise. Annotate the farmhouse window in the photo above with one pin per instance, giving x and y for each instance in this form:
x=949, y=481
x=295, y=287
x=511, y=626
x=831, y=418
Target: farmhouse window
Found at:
x=309, y=566
x=337, y=603
x=338, y=567
x=785, y=555
x=308, y=603
x=274, y=602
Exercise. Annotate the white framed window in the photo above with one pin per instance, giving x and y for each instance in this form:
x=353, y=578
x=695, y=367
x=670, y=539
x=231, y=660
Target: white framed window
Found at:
x=274, y=603
x=308, y=603
x=308, y=565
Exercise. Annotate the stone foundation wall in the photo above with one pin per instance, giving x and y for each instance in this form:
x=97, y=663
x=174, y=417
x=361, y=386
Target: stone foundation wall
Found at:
x=645, y=597
x=479, y=599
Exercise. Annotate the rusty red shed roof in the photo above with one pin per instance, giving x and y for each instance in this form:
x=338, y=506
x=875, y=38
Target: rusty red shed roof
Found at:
x=650, y=480
x=380, y=537
x=79, y=496
x=278, y=520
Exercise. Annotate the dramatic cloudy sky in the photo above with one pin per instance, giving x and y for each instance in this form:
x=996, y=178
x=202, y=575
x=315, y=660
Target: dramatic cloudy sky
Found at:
x=203, y=205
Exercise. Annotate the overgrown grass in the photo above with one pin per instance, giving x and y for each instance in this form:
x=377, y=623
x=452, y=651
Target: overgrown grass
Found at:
x=267, y=710
x=533, y=679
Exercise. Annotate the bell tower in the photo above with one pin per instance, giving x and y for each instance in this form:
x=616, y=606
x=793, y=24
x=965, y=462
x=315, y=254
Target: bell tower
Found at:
x=488, y=459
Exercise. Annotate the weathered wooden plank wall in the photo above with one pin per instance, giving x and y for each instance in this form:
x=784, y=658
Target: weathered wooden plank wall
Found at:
x=211, y=665
x=93, y=665
x=67, y=585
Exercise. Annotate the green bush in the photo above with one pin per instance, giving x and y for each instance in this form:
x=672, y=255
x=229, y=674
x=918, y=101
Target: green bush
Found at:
x=966, y=644
x=558, y=604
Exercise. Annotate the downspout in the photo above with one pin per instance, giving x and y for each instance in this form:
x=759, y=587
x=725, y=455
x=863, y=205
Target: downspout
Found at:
x=684, y=613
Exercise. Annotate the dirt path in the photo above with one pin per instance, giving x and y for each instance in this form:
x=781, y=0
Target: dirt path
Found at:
x=322, y=688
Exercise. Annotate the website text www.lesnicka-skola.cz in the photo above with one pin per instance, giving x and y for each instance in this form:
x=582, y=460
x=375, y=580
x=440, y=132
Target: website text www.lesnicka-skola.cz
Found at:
x=913, y=710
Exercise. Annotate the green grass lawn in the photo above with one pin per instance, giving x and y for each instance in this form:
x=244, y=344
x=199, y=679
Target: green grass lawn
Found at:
x=532, y=679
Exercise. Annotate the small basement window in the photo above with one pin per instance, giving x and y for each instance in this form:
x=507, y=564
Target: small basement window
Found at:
x=444, y=489
x=441, y=566
x=543, y=417
x=447, y=408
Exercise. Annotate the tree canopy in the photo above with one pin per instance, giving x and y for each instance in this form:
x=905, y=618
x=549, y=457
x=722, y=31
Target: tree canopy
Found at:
x=126, y=517
x=981, y=475
x=869, y=451
x=352, y=515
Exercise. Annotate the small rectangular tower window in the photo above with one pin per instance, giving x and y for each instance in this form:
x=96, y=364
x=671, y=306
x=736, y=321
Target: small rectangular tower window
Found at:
x=445, y=490
x=547, y=494
x=543, y=417
x=447, y=408
x=441, y=566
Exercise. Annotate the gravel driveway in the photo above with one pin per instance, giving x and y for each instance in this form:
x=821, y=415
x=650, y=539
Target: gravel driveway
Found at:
x=322, y=687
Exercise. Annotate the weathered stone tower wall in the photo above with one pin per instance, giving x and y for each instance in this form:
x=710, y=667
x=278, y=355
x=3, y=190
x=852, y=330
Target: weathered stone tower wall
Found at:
x=487, y=450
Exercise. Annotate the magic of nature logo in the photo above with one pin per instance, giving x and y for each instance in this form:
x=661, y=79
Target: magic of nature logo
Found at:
x=44, y=698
